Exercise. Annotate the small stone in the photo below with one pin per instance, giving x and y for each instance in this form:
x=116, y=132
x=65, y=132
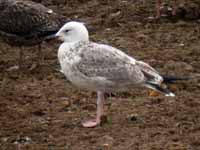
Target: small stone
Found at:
x=108, y=29
x=13, y=68
x=22, y=140
x=50, y=11
x=76, y=16
x=66, y=103
x=151, y=18
x=4, y=139
x=114, y=15
x=106, y=142
x=106, y=145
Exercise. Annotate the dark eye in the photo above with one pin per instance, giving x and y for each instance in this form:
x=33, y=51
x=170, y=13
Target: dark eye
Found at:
x=67, y=31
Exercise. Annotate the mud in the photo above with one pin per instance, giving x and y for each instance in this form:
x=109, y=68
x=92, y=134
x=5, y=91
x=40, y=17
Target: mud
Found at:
x=41, y=110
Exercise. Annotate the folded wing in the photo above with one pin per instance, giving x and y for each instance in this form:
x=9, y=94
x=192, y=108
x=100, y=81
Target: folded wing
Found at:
x=98, y=60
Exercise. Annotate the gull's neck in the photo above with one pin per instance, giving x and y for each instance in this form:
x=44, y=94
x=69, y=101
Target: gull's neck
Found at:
x=76, y=42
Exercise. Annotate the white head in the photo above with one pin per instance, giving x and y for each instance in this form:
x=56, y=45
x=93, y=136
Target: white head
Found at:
x=73, y=32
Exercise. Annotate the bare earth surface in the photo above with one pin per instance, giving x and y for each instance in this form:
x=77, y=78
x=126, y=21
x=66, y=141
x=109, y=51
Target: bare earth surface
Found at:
x=41, y=110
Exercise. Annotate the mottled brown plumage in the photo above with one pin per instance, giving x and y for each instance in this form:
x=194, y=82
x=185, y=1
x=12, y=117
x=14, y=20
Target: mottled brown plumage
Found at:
x=26, y=23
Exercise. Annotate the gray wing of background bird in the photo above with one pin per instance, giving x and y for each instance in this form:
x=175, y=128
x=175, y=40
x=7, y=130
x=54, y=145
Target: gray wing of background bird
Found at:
x=103, y=61
x=28, y=20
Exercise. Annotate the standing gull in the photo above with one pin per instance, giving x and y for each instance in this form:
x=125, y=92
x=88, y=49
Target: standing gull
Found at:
x=26, y=23
x=101, y=68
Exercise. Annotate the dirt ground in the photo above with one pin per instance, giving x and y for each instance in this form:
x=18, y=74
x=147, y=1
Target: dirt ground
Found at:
x=41, y=110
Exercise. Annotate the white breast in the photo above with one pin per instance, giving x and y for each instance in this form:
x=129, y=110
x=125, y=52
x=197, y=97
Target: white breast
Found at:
x=68, y=58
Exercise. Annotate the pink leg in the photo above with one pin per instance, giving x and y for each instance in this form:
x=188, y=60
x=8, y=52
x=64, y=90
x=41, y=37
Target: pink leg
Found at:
x=93, y=122
x=39, y=59
x=174, y=8
x=158, y=3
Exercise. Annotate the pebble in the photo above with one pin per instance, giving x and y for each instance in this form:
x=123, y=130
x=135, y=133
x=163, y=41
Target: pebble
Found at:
x=65, y=101
x=106, y=142
x=13, y=68
x=4, y=139
x=24, y=140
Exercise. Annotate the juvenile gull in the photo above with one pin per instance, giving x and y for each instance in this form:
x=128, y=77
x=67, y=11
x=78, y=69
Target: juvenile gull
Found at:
x=101, y=68
x=26, y=23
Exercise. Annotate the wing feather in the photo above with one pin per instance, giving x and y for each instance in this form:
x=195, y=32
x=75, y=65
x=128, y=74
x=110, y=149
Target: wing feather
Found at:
x=98, y=60
x=26, y=17
x=150, y=73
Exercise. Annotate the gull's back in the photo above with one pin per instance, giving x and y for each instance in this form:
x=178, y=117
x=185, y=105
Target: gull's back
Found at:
x=27, y=22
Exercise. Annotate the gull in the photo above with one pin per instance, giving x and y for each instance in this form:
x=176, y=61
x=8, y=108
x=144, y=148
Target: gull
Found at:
x=102, y=68
x=27, y=23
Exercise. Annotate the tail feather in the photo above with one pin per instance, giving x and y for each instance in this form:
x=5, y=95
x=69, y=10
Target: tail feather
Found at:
x=160, y=89
x=172, y=79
